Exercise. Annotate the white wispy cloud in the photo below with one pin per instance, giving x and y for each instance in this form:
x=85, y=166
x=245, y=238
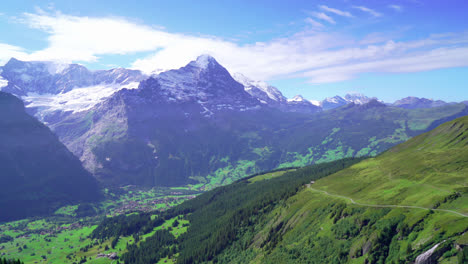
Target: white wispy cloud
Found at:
x=323, y=16
x=368, y=10
x=314, y=23
x=8, y=51
x=314, y=54
x=83, y=38
x=430, y=60
x=335, y=11
x=397, y=8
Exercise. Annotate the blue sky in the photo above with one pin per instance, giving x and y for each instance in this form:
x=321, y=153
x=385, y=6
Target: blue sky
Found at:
x=388, y=49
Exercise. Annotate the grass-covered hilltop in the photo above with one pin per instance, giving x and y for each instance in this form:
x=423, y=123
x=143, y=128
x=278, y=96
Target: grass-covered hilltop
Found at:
x=407, y=205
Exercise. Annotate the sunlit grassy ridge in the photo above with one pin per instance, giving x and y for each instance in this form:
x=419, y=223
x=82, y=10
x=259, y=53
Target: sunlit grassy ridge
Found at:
x=430, y=170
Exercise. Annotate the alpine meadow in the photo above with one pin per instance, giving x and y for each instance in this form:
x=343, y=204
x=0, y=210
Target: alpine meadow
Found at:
x=268, y=132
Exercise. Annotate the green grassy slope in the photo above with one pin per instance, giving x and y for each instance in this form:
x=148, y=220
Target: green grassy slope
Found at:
x=314, y=228
x=430, y=170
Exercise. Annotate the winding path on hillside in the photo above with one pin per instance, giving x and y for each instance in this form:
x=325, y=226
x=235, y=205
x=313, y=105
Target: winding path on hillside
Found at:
x=386, y=205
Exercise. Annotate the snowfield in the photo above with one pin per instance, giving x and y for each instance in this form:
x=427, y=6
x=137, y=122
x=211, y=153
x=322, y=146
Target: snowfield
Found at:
x=76, y=100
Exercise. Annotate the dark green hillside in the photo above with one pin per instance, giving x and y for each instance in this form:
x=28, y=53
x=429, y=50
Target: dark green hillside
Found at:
x=38, y=174
x=388, y=209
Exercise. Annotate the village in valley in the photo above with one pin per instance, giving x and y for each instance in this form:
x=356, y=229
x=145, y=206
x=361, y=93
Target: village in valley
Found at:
x=72, y=226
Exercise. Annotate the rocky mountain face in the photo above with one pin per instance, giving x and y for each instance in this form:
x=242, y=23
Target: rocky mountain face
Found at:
x=208, y=84
x=152, y=132
x=39, y=174
x=266, y=93
x=412, y=102
x=199, y=104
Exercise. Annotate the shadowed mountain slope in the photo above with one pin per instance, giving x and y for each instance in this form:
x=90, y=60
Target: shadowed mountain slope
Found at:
x=38, y=173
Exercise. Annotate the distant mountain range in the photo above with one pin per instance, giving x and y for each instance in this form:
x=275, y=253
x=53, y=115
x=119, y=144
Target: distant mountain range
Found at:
x=415, y=102
x=201, y=125
x=50, y=89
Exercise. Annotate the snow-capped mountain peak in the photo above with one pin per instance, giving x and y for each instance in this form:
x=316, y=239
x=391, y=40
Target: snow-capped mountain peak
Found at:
x=297, y=98
x=299, y=104
x=203, y=61
x=358, y=98
x=333, y=102
x=207, y=82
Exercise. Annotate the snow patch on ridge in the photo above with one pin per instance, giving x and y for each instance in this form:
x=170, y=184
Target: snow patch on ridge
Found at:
x=3, y=82
x=297, y=98
x=315, y=102
x=203, y=61
x=335, y=99
x=76, y=100
x=272, y=92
